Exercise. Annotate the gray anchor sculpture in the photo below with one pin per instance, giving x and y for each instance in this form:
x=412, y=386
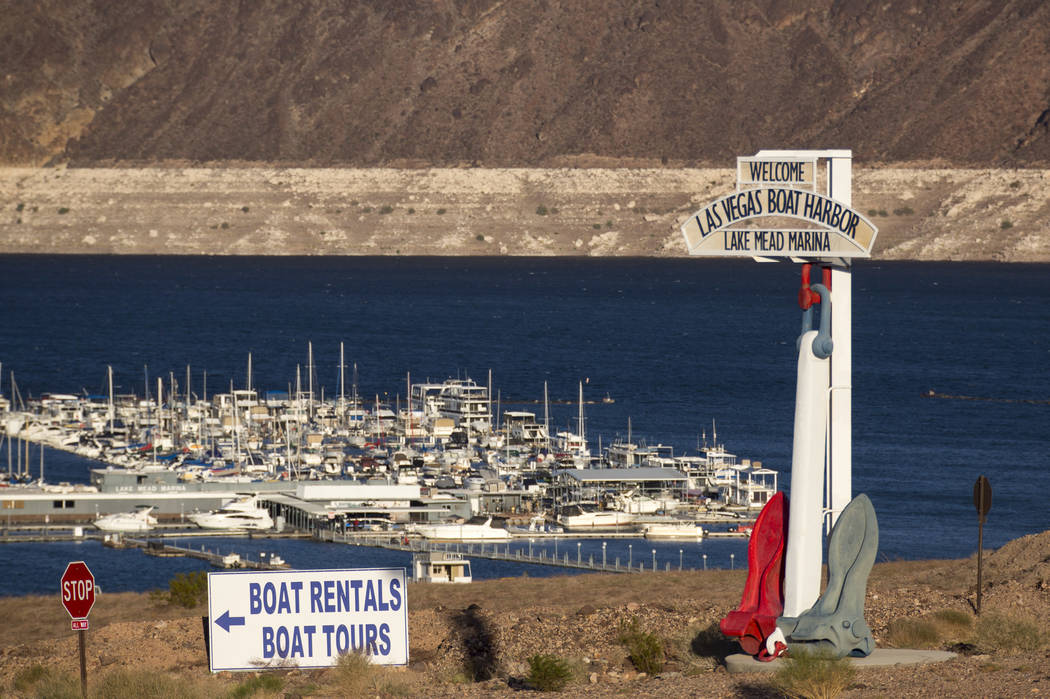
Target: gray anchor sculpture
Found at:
x=835, y=623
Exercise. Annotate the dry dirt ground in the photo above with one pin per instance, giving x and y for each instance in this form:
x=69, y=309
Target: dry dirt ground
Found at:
x=475, y=640
x=921, y=213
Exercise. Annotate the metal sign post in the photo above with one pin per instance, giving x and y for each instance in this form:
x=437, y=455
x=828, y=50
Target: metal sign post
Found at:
x=982, y=500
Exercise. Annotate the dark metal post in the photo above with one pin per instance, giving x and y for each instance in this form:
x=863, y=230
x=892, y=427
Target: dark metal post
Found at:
x=982, y=499
x=83, y=664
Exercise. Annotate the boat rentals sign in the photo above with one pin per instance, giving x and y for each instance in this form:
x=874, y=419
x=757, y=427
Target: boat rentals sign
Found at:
x=778, y=211
x=306, y=618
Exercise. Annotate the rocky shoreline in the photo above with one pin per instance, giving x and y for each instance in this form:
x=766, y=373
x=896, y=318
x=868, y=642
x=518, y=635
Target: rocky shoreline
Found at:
x=924, y=214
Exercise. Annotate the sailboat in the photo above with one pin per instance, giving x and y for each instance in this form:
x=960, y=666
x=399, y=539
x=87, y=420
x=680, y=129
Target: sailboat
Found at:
x=573, y=444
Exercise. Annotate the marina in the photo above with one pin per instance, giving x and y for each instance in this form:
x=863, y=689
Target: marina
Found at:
x=441, y=468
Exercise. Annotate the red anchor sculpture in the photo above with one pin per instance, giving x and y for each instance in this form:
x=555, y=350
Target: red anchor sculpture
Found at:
x=763, y=599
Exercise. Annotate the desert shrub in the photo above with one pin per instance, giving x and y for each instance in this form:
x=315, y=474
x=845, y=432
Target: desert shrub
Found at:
x=1001, y=633
x=549, y=673
x=912, y=633
x=441, y=211
x=245, y=209
x=882, y=212
x=904, y=211
x=21, y=206
x=644, y=649
x=930, y=631
x=139, y=683
x=63, y=210
x=541, y=210
x=1015, y=184
x=953, y=619
x=224, y=225
x=26, y=679
x=386, y=209
x=1005, y=224
x=188, y=589
x=597, y=226
x=354, y=676
x=264, y=684
x=480, y=238
x=46, y=683
x=813, y=675
x=411, y=210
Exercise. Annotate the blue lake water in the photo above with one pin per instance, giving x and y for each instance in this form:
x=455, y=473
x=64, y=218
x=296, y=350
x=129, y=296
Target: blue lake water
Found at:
x=677, y=343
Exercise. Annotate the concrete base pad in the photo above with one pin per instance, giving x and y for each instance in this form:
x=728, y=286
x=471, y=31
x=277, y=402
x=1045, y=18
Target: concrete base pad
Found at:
x=881, y=657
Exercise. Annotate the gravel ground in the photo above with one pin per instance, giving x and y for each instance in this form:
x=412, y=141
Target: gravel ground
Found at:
x=475, y=640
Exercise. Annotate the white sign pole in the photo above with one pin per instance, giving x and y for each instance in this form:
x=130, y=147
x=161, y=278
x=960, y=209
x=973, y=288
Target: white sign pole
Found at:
x=840, y=432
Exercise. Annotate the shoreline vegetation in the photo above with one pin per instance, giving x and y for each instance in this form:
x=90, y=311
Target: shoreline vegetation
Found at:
x=590, y=635
x=922, y=213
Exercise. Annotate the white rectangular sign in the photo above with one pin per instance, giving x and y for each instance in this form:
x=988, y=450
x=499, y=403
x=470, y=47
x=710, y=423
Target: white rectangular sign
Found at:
x=306, y=618
x=776, y=172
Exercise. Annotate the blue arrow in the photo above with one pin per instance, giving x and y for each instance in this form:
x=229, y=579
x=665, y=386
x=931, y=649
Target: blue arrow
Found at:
x=226, y=621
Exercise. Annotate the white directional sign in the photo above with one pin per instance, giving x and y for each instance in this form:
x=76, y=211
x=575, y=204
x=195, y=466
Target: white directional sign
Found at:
x=306, y=618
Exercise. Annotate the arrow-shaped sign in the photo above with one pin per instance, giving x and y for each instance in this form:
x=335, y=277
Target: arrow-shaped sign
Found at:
x=226, y=621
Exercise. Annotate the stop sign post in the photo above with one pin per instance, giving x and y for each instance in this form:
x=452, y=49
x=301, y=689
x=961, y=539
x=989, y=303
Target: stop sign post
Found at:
x=78, y=596
x=78, y=590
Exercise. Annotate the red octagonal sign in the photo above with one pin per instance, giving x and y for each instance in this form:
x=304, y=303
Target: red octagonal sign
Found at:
x=78, y=590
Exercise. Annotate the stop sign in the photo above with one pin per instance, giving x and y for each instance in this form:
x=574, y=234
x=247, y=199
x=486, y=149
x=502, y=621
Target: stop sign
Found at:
x=78, y=590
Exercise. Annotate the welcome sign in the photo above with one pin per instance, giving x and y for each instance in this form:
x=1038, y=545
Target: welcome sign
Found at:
x=777, y=212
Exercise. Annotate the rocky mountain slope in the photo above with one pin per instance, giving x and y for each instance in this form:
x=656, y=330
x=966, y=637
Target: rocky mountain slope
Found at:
x=497, y=84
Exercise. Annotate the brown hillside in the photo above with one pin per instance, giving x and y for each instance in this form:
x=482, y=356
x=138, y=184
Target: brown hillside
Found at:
x=496, y=83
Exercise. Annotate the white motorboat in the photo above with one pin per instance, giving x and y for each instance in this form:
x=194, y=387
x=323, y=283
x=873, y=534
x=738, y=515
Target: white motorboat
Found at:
x=639, y=504
x=243, y=513
x=138, y=521
x=673, y=530
x=440, y=567
x=474, y=529
x=575, y=518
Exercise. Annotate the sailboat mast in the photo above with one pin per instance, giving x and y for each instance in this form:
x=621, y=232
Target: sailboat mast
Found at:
x=310, y=378
x=583, y=436
x=546, y=418
x=354, y=398
x=109, y=373
x=298, y=419
x=342, y=378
